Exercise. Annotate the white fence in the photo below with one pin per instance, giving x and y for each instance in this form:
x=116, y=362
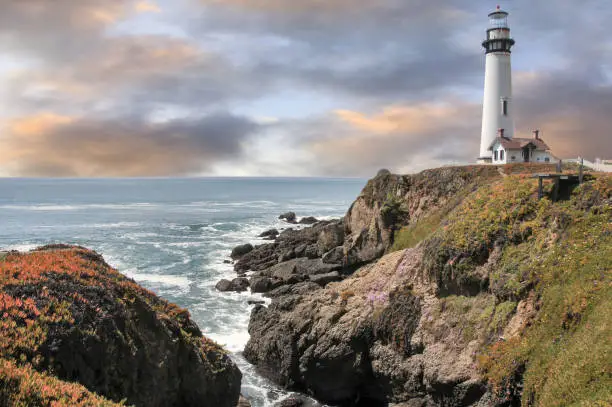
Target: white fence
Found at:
x=598, y=165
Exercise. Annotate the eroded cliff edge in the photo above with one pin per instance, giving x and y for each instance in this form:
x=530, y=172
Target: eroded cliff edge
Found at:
x=75, y=332
x=471, y=292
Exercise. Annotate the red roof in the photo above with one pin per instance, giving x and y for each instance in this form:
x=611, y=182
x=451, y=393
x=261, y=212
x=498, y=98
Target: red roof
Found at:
x=518, y=143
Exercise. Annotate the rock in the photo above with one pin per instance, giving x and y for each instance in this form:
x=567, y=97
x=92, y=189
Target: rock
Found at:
x=263, y=284
x=329, y=237
x=241, y=250
x=324, y=279
x=330, y=343
x=239, y=284
x=243, y=402
x=270, y=234
x=335, y=255
x=308, y=220
x=260, y=258
x=302, y=288
x=121, y=342
x=308, y=242
x=290, y=402
x=288, y=217
x=255, y=302
x=227, y=262
x=224, y=285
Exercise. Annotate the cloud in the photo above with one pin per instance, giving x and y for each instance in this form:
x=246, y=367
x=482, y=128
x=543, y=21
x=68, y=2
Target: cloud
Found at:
x=147, y=7
x=53, y=145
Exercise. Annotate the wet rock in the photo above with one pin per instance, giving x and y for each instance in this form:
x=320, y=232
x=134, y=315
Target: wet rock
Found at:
x=270, y=234
x=239, y=284
x=289, y=217
x=264, y=284
x=290, y=402
x=308, y=220
x=256, y=302
x=243, y=402
x=227, y=262
x=241, y=250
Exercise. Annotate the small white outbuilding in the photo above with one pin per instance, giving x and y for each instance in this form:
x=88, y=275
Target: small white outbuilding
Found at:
x=514, y=150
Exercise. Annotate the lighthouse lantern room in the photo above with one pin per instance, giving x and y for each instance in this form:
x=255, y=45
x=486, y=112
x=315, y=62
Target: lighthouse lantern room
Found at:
x=497, y=112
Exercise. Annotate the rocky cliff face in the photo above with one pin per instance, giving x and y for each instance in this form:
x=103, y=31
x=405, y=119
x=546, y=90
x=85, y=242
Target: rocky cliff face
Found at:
x=74, y=330
x=476, y=308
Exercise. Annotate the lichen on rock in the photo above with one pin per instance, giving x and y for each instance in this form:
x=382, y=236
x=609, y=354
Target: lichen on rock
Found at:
x=72, y=322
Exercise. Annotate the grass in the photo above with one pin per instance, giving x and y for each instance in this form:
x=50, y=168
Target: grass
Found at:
x=561, y=250
x=565, y=354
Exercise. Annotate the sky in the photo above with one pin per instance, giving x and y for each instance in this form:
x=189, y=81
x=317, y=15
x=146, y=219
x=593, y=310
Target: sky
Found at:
x=338, y=88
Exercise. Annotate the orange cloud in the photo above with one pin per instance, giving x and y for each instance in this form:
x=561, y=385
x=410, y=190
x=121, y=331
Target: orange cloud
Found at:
x=55, y=145
x=147, y=7
x=404, y=119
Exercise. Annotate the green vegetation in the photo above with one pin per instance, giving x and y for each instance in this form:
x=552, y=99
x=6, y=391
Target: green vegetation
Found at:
x=411, y=235
x=496, y=244
x=563, y=251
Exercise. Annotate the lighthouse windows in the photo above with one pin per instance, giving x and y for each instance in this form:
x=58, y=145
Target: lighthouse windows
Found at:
x=504, y=107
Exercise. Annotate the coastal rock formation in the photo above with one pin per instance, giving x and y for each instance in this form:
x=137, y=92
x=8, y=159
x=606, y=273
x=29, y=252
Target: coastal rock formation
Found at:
x=471, y=292
x=240, y=251
x=311, y=243
x=76, y=332
x=288, y=217
x=237, y=285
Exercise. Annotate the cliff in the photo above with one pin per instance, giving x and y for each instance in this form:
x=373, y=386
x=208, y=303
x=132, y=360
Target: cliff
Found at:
x=75, y=332
x=471, y=291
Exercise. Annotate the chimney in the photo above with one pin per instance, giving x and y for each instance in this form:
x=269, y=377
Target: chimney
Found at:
x=536, y=134
x=500, y=132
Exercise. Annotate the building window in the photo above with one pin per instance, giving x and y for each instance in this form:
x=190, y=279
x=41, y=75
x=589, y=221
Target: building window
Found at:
x=495, y=155
x=547, y=159
x=505, y=107
x=501, y=155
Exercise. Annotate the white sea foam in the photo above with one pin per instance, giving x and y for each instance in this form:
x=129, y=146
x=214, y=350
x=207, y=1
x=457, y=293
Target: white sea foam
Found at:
x=162, y=279
x=21, y=247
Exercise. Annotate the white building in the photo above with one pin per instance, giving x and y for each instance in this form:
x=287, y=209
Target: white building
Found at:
x=497, y=111
x=505, y=150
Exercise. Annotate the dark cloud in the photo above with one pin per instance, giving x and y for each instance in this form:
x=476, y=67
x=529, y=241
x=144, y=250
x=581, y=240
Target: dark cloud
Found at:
x=90, y=95
x=50, y=145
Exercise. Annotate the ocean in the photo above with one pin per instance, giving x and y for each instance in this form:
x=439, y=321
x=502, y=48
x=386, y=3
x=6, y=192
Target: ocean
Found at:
x=172, y=236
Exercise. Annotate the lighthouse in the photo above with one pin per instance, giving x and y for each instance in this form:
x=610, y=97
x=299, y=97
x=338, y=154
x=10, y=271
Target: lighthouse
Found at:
x=497, y=110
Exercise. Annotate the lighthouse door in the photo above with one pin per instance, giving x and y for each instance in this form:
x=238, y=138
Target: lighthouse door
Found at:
x=526, y=153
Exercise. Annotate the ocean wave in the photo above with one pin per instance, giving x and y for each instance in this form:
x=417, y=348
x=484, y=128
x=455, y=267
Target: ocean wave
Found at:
x=65, y=208
x=161, y=279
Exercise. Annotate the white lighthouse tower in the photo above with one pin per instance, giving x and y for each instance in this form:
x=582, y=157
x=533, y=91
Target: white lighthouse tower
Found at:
x=497, y=112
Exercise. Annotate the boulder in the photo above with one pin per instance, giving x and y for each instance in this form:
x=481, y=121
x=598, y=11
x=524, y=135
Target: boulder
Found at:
x=241, y=250
x=264, y=284
x=329, y=237
x=288, y=217
x=270, y=234
x=324, y=279
x=334, y=256
x=308, y=220
x=239, y=284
